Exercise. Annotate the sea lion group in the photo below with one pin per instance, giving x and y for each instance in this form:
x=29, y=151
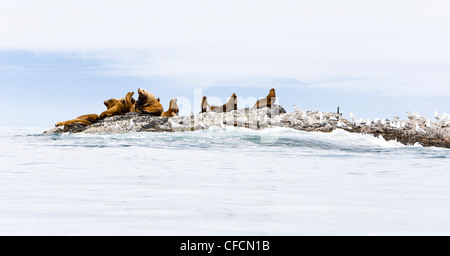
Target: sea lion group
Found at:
x=148, y=104
x=268, y=101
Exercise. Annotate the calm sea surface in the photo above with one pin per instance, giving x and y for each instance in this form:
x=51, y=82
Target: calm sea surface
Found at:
x=222, y=181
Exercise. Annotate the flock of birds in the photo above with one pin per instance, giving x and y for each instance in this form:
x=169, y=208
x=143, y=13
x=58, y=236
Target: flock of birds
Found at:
x=399, y=124
x=396, y=123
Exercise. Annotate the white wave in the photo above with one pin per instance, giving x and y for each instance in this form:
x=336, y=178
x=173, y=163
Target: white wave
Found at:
x=339, y=138
x=228, y=137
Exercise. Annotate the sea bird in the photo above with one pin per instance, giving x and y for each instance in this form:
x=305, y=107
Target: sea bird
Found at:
x=418, y=129
x=131, y=126
x=118, y=127
x=436, y=115
x=353, y=117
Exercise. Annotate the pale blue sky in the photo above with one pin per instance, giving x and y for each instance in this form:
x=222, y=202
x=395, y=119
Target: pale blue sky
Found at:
x=61, y=59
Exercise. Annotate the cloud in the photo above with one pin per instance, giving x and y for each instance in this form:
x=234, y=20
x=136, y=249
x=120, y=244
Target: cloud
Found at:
x=370, y=46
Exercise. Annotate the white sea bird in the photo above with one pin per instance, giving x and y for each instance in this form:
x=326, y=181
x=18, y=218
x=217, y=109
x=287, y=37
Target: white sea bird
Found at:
x=353, y=117
x=305, y=118
x=341, y=124
x=131, y=126
x=296, y=109
x=292, y=120
x=444, y=117
x=418, y=129
x=175, y=125
x=429, y=125
x=321, y=117
x=409, y=115
x=436, y=115
x=118, y=127
x=393, y=124
x=275, y=120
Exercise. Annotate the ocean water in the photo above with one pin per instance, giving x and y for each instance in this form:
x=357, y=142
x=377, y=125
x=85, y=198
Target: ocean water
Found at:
x=222, y=181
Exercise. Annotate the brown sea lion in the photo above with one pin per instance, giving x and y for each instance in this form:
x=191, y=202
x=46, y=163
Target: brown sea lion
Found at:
x=129, y=103
x=205, y=105
x=268, y=101
x=84, y=120
x=72, y=122
x=147, y=103
x=173, y=109
x=111, y=103
x=230, y=106
x=117, y=109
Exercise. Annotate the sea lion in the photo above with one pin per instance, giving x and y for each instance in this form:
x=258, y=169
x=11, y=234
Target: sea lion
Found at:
x=205, y=106
x=147, y=103
x=117, y=109
x=111, y=103
x=84, y=120
x=72, y=122
x=129, y=103
x=230, y=106
x=268, y=101
x=173, y=109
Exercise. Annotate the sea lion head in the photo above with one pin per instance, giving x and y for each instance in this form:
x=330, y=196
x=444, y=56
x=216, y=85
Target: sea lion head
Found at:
x=233, y=101
x=173, y=104
x=142, y=96
x=205, y=101
x=272, y=92
x=110, y=103
x=130, y=98
x=145, y=97
x=141, y=91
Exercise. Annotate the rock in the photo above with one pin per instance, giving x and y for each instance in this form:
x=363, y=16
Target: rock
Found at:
x=55, y=130
x=76, y=128
x=409, y=132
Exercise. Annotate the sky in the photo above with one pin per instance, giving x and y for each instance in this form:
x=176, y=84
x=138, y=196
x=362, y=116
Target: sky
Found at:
x=62, y=59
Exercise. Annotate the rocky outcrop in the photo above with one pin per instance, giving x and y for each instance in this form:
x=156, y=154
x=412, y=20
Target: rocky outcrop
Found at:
x=414, y=130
